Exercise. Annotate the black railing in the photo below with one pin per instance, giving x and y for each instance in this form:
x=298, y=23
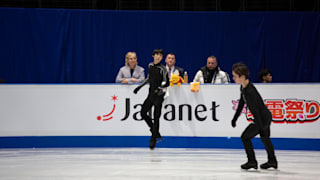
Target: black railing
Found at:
x=171, y=5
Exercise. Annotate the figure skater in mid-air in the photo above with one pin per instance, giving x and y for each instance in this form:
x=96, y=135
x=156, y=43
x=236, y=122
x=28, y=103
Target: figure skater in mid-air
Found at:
x=261, y=122
x=159, y=81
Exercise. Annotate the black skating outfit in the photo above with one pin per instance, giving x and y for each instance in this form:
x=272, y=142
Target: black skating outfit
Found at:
x=262, y=121
x=158, y=79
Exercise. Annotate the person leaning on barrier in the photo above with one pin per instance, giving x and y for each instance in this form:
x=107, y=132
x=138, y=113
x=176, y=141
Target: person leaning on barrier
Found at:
x=170, y=65
x=265, y=76
x=211, y=73
x=131, y=72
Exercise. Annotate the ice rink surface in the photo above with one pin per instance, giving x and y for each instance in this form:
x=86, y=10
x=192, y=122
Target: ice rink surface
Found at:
x=142, y=163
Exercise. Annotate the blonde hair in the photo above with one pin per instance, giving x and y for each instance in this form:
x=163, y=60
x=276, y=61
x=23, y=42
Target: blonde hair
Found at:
x=128, y=55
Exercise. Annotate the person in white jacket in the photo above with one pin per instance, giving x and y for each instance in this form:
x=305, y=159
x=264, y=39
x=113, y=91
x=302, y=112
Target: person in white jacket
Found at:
x=211, y=73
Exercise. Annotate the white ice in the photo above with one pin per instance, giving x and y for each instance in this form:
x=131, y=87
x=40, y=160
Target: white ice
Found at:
x=142, y=163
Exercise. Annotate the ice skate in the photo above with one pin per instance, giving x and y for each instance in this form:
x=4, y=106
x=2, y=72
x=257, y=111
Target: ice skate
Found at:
x=158, y=137
x=249, y=165
x=269, y=164
x=152, y=142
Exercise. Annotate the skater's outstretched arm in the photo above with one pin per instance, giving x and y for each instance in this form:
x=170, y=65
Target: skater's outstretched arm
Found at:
x=141, y=85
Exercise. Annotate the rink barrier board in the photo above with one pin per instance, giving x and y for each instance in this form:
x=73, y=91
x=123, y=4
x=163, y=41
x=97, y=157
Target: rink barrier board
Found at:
x=143, y=142
x=80, y=116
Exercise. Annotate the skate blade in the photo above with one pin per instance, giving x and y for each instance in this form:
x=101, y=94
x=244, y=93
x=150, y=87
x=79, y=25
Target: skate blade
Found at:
x=270, y=169
x=250, y=170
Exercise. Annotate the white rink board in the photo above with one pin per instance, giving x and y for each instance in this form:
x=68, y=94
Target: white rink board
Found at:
x=67, y=110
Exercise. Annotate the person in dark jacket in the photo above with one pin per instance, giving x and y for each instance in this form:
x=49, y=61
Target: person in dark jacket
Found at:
x=171, y=67
x=158, y=80
x=211, y=73
x=261, y=122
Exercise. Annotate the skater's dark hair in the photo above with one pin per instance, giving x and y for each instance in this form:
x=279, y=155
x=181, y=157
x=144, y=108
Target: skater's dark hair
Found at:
x=158, y=51
x=241, y=69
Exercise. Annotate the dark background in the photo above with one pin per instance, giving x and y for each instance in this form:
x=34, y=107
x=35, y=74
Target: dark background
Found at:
x=48, y=41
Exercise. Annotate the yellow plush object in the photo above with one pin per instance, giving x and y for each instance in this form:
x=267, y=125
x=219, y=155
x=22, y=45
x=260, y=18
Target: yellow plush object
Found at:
x=176, y=79
x=195, y=86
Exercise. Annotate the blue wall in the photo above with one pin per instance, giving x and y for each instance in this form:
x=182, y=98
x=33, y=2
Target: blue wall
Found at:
x=143, y=141
x=88, y=46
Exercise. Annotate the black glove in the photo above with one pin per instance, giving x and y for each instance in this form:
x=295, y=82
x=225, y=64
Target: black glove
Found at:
x=233, y=123
x=159, y=91
x=136, y=89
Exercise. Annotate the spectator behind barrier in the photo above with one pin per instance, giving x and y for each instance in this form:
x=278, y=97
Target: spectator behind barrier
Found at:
x=170, y=66
x=265, y=76
x=211, y=73
x=131, y=72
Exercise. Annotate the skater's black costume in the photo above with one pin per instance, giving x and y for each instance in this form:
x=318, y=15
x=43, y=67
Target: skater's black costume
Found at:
x=262, y=121
x=158, y=80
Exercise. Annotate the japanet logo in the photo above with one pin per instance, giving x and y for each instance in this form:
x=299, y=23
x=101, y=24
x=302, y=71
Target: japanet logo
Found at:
x=199, y=112
x=108, y=116
x=287, y=110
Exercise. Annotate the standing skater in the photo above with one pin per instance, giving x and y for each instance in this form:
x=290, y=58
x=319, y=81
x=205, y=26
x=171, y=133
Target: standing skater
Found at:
x=158, y=80
x=261, y=122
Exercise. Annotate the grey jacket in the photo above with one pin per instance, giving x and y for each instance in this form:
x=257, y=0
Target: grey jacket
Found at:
x=124, y=73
